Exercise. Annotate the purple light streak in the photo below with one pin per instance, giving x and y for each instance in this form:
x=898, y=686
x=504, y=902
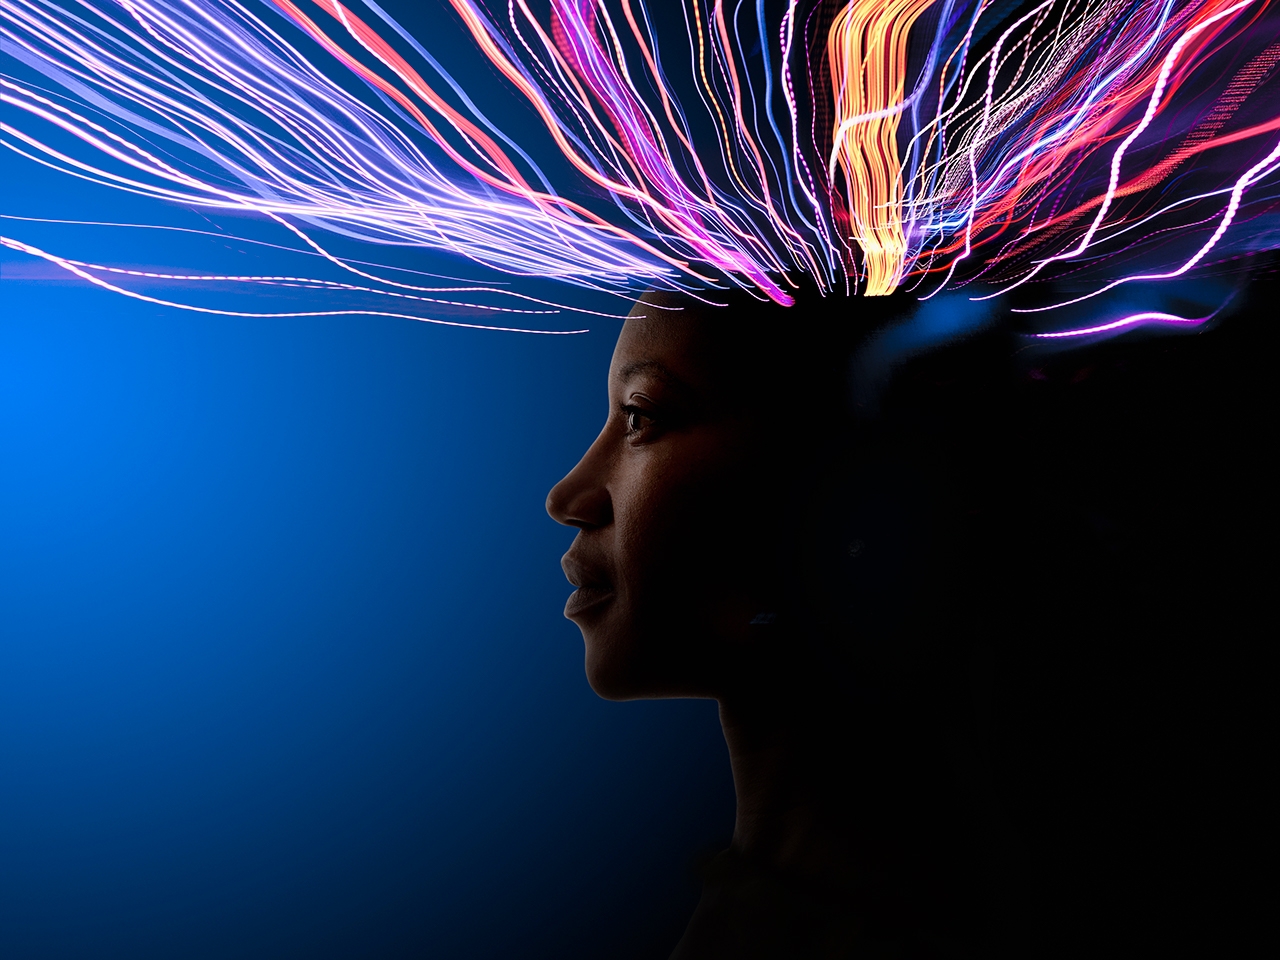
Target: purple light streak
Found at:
x=1019, y=142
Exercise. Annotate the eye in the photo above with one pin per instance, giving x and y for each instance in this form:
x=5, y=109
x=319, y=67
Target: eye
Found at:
x=638, y=421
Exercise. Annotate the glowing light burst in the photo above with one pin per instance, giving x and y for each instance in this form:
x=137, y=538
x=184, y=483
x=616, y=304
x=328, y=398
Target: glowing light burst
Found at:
x=867, y=144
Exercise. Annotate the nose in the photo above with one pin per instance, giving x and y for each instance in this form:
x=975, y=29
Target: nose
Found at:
x=582, y=498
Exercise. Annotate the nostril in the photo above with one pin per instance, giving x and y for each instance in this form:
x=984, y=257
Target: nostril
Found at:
x=578, y=504
x=560, y=499
x=555, y=504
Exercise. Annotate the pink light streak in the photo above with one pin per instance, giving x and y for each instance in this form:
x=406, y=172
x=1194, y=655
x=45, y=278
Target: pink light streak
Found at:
x=321, y=123
x=1129, y=321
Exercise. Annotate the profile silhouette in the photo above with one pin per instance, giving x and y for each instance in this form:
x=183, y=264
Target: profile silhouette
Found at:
x=903, y=602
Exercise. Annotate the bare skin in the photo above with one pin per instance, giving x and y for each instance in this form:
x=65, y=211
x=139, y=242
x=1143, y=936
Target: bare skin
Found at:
x=674, y=559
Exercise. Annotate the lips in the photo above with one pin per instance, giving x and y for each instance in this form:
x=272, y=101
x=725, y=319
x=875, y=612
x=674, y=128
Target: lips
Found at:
x=594, y=588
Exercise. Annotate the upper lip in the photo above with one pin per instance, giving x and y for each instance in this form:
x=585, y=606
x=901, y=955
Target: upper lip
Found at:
x=581, y=573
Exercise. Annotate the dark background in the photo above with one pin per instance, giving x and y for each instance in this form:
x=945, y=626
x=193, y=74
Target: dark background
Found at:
x=1098, y=608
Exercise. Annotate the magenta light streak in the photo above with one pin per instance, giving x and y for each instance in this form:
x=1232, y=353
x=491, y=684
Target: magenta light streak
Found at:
x=1034, y=137
x=1129, y=321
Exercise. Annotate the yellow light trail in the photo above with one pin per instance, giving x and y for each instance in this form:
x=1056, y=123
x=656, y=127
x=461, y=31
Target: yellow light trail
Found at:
x=867, y=57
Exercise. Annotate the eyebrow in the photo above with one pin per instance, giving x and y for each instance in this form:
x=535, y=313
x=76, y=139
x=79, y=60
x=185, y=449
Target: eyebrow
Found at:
x=650, y=366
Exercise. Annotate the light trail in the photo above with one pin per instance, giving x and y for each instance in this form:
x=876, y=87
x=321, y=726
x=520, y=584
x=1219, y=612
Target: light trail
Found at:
x=1129, y=321
x=83, y=272
x=868, y=144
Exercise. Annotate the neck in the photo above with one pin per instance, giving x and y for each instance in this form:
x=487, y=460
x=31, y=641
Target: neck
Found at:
x=786, y=758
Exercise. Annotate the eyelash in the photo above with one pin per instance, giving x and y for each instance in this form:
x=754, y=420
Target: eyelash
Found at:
x=629, y=411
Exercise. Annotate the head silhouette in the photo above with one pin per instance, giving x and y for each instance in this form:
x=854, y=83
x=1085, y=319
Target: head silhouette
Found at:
x=692, y=502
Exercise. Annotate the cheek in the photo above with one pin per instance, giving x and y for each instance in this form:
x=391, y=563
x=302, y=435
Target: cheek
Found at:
x=685, y=551
x=687, y=536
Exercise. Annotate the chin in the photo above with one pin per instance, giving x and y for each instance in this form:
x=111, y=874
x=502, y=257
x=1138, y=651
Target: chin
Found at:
x=611, y=672
x=625, y=666
x=606, y=686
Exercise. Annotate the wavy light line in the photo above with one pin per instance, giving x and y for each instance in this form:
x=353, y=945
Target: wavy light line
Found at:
x=864, y=143
x=1129, y=321
x=73, y=268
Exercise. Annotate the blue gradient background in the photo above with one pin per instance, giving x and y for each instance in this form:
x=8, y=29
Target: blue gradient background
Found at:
x=283, y=671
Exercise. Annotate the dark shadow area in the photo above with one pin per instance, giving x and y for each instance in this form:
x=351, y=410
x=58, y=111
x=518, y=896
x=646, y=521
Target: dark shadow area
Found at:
x=1074, y=692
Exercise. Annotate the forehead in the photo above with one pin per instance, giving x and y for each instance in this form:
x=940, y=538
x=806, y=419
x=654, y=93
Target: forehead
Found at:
x=671, y=345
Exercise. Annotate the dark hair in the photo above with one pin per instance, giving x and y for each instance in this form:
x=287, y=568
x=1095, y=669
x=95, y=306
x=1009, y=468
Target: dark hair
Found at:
x=1086, y=608
x=1046, y=572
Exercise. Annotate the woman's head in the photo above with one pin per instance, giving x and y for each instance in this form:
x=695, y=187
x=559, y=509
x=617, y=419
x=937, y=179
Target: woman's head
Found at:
x=688, y=502
x=1025, y=522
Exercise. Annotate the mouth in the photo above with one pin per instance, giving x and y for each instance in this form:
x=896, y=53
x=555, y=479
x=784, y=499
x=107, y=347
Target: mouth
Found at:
x=585, y=599
x=594, y=589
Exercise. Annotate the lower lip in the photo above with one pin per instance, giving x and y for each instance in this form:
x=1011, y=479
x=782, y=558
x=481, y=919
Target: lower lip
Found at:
x=584, y=599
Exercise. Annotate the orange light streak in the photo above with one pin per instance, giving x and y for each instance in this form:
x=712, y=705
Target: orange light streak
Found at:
x=867, y=54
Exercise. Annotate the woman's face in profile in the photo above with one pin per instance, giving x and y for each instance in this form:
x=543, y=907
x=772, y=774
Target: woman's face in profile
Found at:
x=671, y=560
